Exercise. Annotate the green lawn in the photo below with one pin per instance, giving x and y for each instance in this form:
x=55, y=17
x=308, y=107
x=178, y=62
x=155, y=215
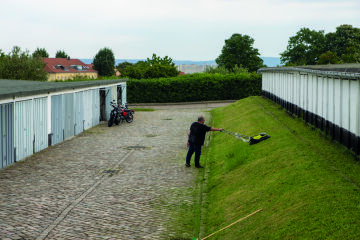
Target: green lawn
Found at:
x=307, y=185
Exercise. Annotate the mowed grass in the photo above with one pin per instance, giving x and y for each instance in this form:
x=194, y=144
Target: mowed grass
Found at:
x=306, y=185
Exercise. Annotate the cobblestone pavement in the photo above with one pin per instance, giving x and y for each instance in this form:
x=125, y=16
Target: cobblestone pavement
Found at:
x=106, y=183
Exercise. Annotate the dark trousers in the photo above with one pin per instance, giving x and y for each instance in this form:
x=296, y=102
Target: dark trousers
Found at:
x=193, y=148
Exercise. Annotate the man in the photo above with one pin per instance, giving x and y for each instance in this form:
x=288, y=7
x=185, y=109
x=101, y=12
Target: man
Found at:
x=196, y=140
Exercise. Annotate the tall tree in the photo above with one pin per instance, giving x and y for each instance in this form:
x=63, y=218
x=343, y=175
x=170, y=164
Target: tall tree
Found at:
x=345, y=42
x=239, y=51
x=310, y=47
x=40, y=53
x=104, y=62
x=61, y=54
x=304, y=48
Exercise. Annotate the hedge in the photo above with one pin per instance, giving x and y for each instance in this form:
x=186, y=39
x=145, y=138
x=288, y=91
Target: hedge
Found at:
x=195, y=87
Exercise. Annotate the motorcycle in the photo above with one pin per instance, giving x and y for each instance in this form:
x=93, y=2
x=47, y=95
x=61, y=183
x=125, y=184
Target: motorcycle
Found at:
x=127, y=114
x=119, y=114
x=114, y=114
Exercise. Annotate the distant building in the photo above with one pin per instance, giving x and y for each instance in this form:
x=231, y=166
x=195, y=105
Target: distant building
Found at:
x=61, y=69
x=193, y=68
x=117, y=73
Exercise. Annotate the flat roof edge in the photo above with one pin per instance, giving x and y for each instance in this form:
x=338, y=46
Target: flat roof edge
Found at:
x=312, y=71
x=35, y=88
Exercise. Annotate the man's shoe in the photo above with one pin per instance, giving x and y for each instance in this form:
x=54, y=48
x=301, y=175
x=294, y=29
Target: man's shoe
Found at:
x=187, y=165
x=199, y=166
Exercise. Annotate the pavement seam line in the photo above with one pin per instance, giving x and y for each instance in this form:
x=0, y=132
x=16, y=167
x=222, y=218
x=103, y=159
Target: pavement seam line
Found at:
x=66, y=211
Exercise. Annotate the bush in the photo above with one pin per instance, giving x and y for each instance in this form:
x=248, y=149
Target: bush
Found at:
x=195, y=87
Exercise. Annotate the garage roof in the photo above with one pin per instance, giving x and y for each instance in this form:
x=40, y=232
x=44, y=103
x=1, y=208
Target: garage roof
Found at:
x=348, y=68
x=10, y=89
x=351, y=70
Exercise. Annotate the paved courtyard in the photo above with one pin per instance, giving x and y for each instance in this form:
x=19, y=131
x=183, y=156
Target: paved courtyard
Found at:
x=106, y=183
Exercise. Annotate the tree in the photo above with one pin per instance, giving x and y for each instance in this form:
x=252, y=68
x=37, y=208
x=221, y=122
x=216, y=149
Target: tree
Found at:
x=165, y=61
x=133, y=72
x=328, y=58
x=156, y=67
x=61, y=54
x=238, y=50
x=161, y=71
x=40, y=53
x=304, y=48
x=352, y=55
x=122, y=66
x=21, y=65
x=104, y=62
x=3, y=64
x=345, y=42
x=309, y=47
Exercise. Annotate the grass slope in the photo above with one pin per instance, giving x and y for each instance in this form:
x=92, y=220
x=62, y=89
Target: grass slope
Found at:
x=307, y=185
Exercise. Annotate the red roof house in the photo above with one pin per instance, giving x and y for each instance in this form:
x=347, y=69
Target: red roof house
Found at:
x=60, y=69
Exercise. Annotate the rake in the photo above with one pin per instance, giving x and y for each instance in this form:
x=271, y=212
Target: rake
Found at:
x=252, y=140
x=239, y=136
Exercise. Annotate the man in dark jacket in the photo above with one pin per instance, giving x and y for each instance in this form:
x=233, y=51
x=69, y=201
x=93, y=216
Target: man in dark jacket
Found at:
x=196, y=140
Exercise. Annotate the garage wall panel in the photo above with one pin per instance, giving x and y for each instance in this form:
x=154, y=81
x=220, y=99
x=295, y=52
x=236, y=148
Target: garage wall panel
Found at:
x=7, y=134
x=69, y=115
x=79, y=112
x=24, y=129
x=95, y=107
x=57, y=119
x=40, y=123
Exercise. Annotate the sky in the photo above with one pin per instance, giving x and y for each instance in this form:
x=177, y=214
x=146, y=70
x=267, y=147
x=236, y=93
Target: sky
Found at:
x=181, y=29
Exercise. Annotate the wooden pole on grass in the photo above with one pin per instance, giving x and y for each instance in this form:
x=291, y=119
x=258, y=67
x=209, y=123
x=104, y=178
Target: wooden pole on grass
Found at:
x=232, y=224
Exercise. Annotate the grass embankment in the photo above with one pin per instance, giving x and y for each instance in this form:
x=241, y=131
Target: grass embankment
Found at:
x=307, y=185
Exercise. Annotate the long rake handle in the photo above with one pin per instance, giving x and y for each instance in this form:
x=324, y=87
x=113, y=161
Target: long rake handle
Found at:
x=232, y=224
x=243, y=137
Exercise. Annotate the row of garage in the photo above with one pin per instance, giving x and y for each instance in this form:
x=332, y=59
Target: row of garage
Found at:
x=29, y=124
x=329, y=100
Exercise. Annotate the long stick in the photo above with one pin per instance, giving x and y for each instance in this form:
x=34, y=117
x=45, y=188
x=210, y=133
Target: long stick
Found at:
x=232, y=224
x=242, y=137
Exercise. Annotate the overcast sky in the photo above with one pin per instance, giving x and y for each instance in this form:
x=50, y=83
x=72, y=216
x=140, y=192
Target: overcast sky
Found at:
x=181, y=29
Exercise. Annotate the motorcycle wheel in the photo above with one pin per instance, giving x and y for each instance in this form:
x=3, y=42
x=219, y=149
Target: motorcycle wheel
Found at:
x=129, y=117
x=111, y=121
x=117, y=120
